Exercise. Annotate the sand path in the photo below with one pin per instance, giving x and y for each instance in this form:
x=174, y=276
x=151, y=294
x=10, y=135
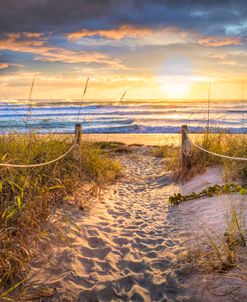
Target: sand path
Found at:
x=126, y=248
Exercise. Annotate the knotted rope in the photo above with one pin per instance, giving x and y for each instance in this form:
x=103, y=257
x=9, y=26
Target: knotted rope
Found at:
x=188, y=142
x=40, y=164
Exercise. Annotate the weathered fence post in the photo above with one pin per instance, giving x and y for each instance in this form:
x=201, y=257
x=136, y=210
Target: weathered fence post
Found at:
x=78, y=130
x=184, y=157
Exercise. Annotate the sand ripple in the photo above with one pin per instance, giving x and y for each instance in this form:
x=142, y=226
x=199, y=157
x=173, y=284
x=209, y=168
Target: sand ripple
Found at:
x=127, y=248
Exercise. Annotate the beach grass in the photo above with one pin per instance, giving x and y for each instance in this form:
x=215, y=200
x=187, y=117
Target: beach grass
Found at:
x=29, y=195
x=221, y=253
x=115, y=147
x=220, y=143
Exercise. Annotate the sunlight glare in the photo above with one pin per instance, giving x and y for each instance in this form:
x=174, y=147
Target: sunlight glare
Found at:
x=176, y=90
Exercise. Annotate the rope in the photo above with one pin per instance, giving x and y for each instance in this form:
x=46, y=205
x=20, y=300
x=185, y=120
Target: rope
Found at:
x=213, y=153
x=186, y=147
x=41, y=164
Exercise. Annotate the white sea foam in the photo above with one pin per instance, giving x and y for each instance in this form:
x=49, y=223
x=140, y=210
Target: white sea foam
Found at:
x=129, y=117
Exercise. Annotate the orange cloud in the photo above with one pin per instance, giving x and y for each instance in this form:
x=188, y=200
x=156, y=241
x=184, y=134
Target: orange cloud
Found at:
x=219, y=41
x=13, y=42
x=4, y=65
x=30, y=35
x=130, y=31
x=115, y=34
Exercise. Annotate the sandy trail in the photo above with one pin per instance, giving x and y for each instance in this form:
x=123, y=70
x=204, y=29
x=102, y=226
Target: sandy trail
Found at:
x=126, y=248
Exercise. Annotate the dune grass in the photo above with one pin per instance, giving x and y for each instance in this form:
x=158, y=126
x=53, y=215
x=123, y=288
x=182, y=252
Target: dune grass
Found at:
x=220, y=253
x=114, y=147
x=222, y=143
x=226, y=144
x=167, y=151
x=28, y=195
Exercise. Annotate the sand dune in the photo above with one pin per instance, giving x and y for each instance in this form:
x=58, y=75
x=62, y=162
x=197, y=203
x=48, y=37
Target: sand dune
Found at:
x=198, y=216
x=126, y=247
x=130, y=245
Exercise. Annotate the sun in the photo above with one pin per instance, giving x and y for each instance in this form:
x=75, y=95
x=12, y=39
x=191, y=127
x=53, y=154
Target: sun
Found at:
x=176, y=90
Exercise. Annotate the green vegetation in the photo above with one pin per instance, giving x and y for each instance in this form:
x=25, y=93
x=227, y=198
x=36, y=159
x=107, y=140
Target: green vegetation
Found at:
x=115, y=147
x=208, y=192
x=213, y=250
x=167, y=151
x=109, y=145
x=223, y=252
x=28, y=195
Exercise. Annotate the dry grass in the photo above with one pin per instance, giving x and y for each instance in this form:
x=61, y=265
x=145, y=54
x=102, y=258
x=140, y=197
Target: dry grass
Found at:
x=28, y=196
x=166, y=151
x=222, y=143
x=220, y=253
x=113, y=147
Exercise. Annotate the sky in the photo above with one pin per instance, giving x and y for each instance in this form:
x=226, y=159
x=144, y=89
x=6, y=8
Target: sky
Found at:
x=154, y=49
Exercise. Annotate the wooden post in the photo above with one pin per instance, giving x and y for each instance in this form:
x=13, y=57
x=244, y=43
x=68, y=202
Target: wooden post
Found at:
x=78, y=130
x=184, y=158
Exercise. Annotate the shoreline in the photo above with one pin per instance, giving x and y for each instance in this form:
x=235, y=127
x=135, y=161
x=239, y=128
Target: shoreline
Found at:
x=147, y=139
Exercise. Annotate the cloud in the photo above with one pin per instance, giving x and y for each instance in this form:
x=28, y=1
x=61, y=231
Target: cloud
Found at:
x=106, y=36
x=119, y=33
x=47, y=15
x=219, y=41
x=15, y=42
x=211, y=17
x=159, y=36
x=4, y=65
x=31, y=35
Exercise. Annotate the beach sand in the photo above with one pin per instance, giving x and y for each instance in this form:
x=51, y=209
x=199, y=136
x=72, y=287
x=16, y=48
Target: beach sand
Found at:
x=209, y=215
x=157, y=139
x=130, y=245
x=126, y=247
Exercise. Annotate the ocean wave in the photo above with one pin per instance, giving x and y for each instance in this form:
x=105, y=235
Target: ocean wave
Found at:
x=142, y=117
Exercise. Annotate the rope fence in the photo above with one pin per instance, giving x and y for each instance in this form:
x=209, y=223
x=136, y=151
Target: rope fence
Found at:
x=186, y=148
x=77, y=142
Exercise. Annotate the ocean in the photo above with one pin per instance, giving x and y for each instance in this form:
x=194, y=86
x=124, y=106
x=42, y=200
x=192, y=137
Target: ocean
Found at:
x=149, y=116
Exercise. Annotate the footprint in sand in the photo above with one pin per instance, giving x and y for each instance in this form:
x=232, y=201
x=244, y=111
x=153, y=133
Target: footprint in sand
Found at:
x=129, y=249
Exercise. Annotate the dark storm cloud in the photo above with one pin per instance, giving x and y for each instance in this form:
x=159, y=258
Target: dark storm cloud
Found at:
x=39, y=15
x=71, y=15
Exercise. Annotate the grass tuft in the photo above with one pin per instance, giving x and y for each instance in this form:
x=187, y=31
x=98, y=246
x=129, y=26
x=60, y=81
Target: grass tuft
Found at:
x=222, y=253
x=221, y=143
x=28, y=195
